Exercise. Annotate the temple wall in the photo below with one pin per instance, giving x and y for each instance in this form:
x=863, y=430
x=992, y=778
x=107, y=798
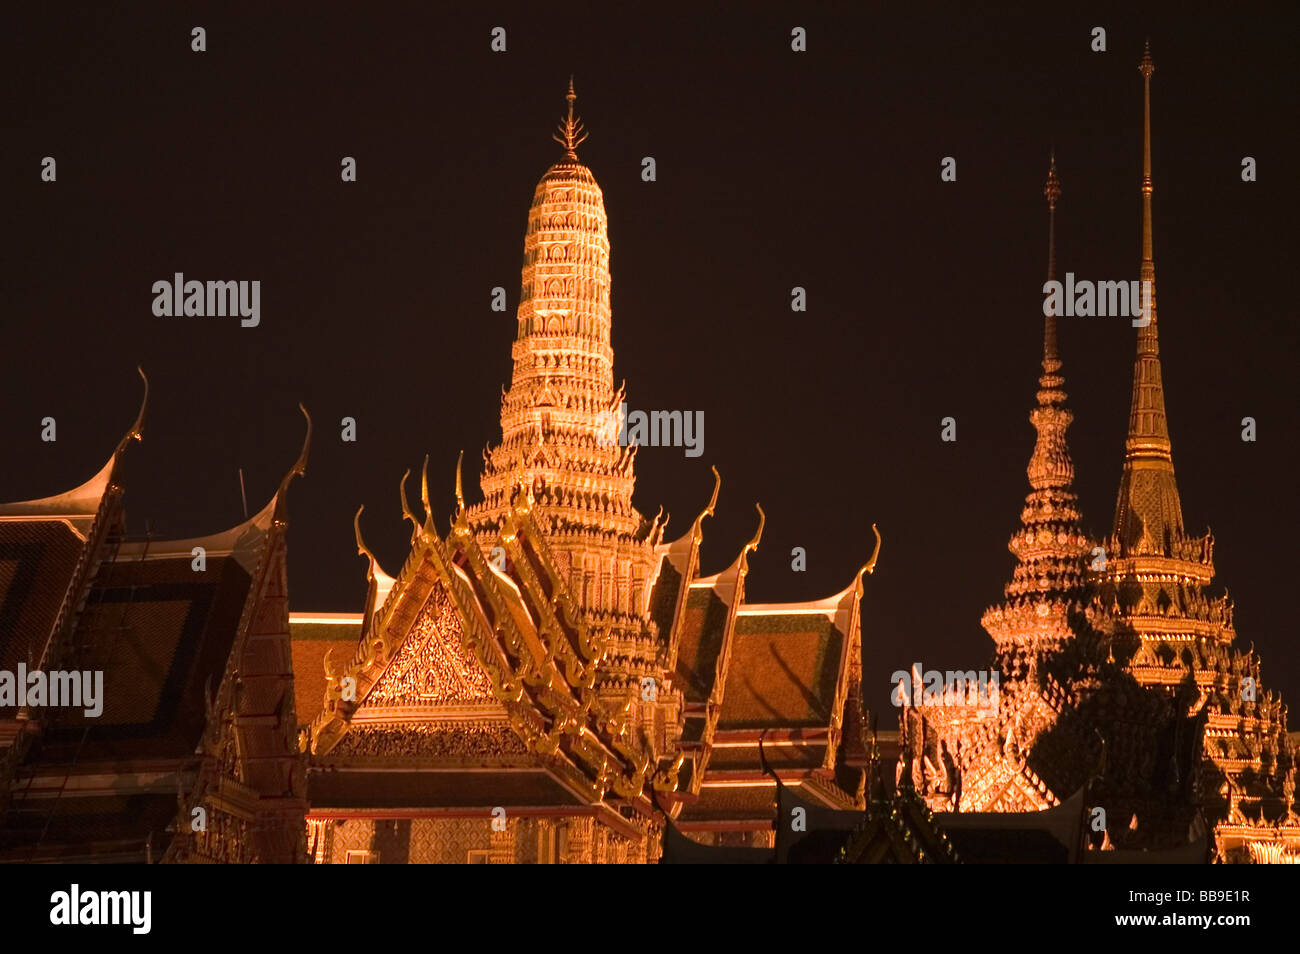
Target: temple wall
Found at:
x=577, y=840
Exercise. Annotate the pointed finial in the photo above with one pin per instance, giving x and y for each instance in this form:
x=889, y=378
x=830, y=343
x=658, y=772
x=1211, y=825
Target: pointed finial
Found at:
x=570, y=131
x=1052, y=191
x=870, y=566
x=299, y=467
x=460, y=496
x=1053, y=188
x=1147, y=66
x=758, y=534
x=362, y=549
x=416, y=526
x=697, y=527
x=424, y=491
x=136, y=433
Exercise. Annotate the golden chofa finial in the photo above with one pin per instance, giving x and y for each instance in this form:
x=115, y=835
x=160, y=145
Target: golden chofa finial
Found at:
x=870, y=566
x=1053, y=188
x=362, y=549
x=752, y=545
x=460, y=495
x=570, y=133
x=424, y=492
x=1147, y=66
x=697, y=528
x=758, y=534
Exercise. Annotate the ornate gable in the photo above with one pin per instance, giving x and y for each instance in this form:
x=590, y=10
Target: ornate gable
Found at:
x=432, y=666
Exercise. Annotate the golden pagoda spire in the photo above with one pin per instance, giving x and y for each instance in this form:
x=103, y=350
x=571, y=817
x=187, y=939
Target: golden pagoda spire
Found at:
x=1050, y=545
x=1148, y=511
x=1052, y=190
x=1050, y=465
x=570, y=133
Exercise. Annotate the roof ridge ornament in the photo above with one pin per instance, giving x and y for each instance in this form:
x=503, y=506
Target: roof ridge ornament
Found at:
x=298, y=469
x=698, y=527
x=424, y=494
x=407, y=513
x=136, y=433
x=365, y=551
x=460, y=494
x=570, y=133
x=869, y=567
x=758, y=534
x=752, y=545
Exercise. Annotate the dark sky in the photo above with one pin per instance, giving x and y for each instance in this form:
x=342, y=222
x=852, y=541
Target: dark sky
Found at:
x=775, y=169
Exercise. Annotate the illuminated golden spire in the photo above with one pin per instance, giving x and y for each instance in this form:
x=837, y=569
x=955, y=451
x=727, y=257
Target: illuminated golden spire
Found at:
x=1047, y=584
x=570, y=133
x=559, y=426
x=1050, y=465
x=1053, y=192
x=1148, y=511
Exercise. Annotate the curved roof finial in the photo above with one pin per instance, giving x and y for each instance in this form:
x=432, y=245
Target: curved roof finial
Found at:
x=299, y=467
x=758, y=534
x=406, y=508
x=424, y=490
x=696, y=530
x=364, y=550
x=570, y=133
x=137, y=429
x=460, y=496
x=870, y=566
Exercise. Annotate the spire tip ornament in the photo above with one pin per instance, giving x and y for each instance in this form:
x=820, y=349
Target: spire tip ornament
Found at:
x=1147, y=66
x=1053, y=188
x=570, y=133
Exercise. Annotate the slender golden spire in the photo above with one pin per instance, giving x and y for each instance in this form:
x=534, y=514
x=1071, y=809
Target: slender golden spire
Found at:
x=570, y=133
x=1053, y=192
x=1147, y=339
x=1148, y=511
x=1050, y=465
x=1147, y=67
x=1049, y=546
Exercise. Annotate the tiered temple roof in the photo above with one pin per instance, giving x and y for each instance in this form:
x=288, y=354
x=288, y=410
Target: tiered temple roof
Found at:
x=551, y=663
x=193, y=757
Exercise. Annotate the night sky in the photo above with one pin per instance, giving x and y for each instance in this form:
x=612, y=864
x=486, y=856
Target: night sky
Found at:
x=775, y=169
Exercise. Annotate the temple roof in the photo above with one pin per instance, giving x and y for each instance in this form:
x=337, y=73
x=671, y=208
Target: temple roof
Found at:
x=161, y=632
x=38, y=561
x=314, y=635
x=45, y=546
x=76, y=508
x=784, y=671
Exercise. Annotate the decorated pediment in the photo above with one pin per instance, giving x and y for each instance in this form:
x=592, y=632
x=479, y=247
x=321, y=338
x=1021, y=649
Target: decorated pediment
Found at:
x=432, y=666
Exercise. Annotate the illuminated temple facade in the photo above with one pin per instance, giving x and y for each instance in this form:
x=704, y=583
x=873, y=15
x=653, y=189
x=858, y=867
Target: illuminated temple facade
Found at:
x=1119, y=679
x=547, y=678
x=552, y=678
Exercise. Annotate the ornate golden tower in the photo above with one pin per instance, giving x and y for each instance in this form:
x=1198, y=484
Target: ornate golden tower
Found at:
x=558, y=409
x=1046, y=587
x=1154, y=571
x=1173, y=636
x=974, y=760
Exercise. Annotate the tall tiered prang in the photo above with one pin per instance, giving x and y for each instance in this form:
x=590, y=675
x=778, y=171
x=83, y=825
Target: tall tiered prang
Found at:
x=555, y=417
